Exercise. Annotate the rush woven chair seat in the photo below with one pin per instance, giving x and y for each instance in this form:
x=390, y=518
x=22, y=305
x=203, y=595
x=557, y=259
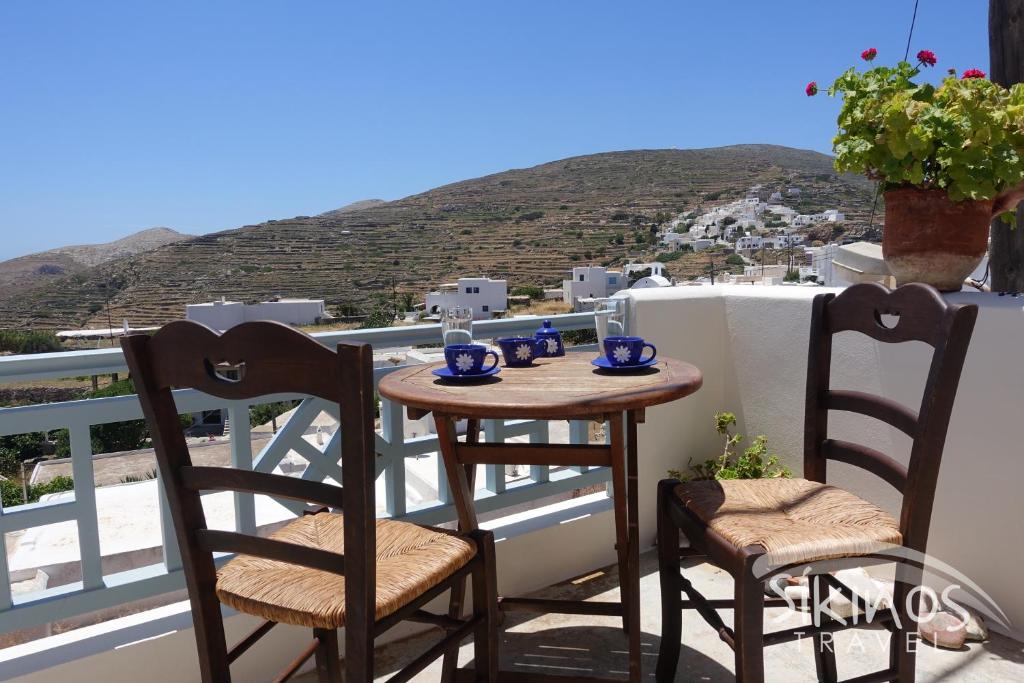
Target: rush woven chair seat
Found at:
x=794, y=520
x=336, y=565
x=763, y=528
x=410, y=560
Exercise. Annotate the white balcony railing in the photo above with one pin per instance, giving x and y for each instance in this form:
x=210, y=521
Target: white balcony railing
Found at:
x=97, y=590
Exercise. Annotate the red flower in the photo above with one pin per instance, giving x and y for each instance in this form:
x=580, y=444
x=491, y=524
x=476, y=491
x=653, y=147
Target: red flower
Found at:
x=811, y=89
x=869, y=54
x=973, y=73
x=927, y=57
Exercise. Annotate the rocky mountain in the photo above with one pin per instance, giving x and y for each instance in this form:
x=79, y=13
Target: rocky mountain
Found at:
x=33, y=269
x=527, y=225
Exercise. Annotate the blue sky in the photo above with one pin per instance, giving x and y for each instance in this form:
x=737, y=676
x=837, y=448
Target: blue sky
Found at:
x=206, y=116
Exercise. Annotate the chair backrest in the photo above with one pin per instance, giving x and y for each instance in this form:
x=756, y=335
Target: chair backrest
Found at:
x=248, y=361
x=924, y=316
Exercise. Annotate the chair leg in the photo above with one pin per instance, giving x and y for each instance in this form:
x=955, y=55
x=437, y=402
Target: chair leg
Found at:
x=485, y=607
x=451, y=655
x=749, y=635
x=902, y=651
x=824, y=647
x=328, y=664
x=668, y=573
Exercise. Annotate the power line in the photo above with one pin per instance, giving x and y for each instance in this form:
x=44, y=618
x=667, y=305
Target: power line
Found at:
x=913, y=20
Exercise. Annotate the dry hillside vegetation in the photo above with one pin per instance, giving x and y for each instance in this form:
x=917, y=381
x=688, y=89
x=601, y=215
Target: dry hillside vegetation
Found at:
x=34, y=269
x=527, y=225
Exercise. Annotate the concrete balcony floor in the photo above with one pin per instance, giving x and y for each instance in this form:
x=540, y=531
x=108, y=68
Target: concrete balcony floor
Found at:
x=595, y=646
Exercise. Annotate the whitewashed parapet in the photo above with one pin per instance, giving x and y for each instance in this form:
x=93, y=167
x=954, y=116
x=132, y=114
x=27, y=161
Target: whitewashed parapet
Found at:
x=97, y=591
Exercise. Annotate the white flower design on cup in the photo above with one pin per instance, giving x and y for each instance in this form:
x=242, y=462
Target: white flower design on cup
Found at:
x=552, y=345
x=621, y=354
x=523, y=352
x=464, y=362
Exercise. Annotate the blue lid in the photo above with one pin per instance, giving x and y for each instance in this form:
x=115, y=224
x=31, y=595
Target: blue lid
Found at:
x=546, y=330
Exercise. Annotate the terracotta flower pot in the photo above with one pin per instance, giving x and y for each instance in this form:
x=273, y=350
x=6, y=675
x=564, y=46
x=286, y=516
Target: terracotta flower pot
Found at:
x=929, y=239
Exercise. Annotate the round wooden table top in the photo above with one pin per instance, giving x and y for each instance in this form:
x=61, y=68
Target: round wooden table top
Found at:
x=552, y=388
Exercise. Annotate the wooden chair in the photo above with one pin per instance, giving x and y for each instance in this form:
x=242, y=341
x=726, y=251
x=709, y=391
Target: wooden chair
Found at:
x=789, y=523
x=298, y=575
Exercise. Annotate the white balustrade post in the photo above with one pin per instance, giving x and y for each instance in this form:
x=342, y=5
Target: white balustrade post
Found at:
x=85, y=504
x=241, y=458
x=393, y=430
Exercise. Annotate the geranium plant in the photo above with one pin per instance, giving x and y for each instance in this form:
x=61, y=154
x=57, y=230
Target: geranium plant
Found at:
x=753, y=463
x=965, y=136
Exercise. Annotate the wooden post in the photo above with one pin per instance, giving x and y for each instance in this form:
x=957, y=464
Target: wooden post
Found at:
x=1006, y=54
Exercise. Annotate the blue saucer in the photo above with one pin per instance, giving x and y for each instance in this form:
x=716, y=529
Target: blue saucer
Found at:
x=603, y=363
x=445, y=373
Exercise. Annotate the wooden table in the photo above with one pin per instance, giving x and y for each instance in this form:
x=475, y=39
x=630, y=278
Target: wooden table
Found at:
x=566, y=388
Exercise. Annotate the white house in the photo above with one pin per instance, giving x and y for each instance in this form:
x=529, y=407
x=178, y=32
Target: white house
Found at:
x=651, y=281
x=484, y=295
x=224, y=314
x=589, y=282
x=749, y=242
x=657, y=268
x=782, y=241
x=833, y=216
x=702, y=244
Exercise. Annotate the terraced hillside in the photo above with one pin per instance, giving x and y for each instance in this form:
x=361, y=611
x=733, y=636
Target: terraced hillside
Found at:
x=527, y=225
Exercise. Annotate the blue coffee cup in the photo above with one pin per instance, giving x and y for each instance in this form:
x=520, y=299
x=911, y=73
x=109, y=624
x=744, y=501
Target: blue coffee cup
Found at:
x=627, y=350
x=519, y=351
x=468, y=359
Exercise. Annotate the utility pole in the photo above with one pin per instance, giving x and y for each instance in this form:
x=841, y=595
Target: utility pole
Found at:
x=762, y=258
x=712, y=258
x=1006, y=57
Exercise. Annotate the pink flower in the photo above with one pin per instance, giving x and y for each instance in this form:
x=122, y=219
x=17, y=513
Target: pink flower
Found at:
x=811, y=89
x=927, y=57
x=973, y=73
x=869, y=54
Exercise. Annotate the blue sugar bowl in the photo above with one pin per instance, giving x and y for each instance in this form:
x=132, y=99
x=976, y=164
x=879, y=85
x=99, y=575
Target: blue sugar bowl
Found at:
x=549, y=341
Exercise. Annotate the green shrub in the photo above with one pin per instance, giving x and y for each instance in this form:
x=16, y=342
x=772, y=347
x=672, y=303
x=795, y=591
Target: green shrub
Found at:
x=31, y=341
x=753, y=463
x=264, y=413
x=530, y=291
x=579, y=337
x=135, y=478
x=11, y=492
x=735, y=260
x=129, y=435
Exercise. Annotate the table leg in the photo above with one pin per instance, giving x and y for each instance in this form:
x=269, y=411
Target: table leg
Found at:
x=619, y=497
x=448, y=439
x=632, y=606
x=625, y=502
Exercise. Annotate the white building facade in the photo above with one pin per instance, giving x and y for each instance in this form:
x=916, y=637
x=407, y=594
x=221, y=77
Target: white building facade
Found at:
x=484, y=295
x=223, y=315
x=590, y=282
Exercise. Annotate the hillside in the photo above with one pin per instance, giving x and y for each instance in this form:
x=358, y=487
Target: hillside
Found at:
x=32, y=269
x=528, y=225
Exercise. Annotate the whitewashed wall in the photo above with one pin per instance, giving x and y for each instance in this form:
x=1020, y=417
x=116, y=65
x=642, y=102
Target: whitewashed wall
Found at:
x=751, y=343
